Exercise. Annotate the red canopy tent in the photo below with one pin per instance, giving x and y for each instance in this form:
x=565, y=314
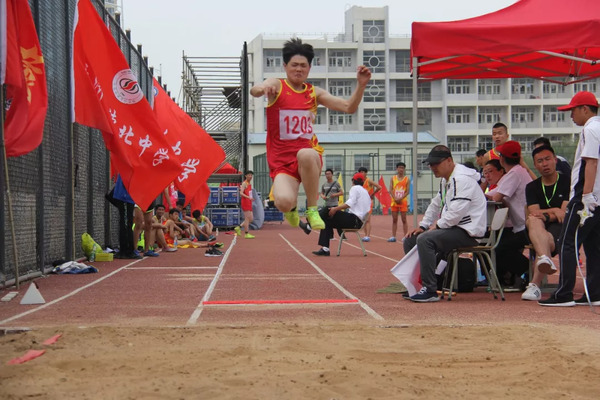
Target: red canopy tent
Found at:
x=553, y=40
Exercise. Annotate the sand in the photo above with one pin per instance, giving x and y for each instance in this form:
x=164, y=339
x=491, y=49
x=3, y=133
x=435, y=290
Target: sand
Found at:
x=304, y=361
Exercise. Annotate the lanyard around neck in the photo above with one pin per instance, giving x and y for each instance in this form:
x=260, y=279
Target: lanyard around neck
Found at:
x=548, y=200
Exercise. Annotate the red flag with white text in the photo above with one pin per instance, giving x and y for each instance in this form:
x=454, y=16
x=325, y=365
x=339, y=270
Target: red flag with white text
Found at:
x=109, y=98
x=198, y=151
x=384, y=197
x=25, y=78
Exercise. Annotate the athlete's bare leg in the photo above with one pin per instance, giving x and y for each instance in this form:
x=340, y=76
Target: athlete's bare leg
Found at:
x=309, y=169
x=285, y=192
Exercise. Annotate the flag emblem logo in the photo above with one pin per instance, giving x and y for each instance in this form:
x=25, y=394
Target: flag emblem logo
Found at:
x=126, y=88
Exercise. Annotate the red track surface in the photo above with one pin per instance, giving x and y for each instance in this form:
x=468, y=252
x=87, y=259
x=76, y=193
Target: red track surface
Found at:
x=273, y=278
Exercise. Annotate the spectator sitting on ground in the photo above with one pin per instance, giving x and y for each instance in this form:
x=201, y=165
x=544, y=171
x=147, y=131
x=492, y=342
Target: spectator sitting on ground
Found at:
x=493, y=172
x=562, y=165
x=460, y=210
x=203, y=226
x=159, y=229
x=185, y=222
x=143, y=222
x=547, y=199
x=511, y=263
x=174, y=232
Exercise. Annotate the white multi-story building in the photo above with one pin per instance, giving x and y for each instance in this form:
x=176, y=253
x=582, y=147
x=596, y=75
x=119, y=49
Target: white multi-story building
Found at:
x=456, y=112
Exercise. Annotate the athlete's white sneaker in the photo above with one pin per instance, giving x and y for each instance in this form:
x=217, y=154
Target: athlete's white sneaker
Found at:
x=532, y=293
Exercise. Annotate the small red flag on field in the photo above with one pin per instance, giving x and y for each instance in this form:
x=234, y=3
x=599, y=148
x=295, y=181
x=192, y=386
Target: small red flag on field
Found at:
x=109, y=98
x=24, y=74
x=384, y=197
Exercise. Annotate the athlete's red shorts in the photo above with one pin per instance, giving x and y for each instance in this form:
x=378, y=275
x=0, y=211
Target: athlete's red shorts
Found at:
x=402, y=207
x=290, y=169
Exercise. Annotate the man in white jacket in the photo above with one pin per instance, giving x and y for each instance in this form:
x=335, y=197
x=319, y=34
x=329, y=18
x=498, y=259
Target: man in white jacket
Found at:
x=460, y=210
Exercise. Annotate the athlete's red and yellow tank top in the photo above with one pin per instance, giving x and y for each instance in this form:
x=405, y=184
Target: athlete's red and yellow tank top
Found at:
x=400, y=188
x=290, y=120
x=493, y=154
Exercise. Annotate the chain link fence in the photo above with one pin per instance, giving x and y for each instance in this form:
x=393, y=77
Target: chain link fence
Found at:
x=58, y=190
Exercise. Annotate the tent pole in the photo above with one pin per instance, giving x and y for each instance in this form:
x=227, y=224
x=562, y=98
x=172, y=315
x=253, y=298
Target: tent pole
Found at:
x=8, y=195
x=413, y=195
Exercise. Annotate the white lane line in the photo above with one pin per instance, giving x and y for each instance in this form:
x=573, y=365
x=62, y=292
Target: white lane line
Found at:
x=169, y=268
x=198, y=311
x=368, y=309
x=67, y=295
x=372, y=252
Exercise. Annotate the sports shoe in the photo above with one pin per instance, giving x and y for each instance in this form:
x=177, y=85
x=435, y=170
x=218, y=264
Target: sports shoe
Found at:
x=305, y=227
x=314, y=219
x=544, y=264
x=212, y=253
x=392, y=239
x=238, y=231
x=169, y=249
x=292, y=217
x=366, y=239
x=554, y=302
x=424, y=296
x=532, y=293
x=218, y=245
x=321, y=252
x=248, y=236
x=217, y=252
x=151, y=253
x=583, y=301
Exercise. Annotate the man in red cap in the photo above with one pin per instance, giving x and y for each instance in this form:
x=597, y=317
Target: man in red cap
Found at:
x=582, y=218
x=358, y=206
x=511, y=263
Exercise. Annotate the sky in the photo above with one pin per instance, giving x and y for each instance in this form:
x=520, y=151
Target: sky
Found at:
x=216, y=28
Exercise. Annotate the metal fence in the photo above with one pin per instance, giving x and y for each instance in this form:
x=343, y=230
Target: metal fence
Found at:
x=58, y=190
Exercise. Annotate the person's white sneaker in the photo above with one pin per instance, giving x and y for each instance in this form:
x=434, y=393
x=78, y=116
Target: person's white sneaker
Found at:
x=532, y=292
x=544, y=264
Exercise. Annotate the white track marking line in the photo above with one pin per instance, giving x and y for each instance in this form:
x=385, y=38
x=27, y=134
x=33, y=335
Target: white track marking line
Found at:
x=372, y=252
x=368, y=309
x=67, y=295
x=198, y=311
x=169, y=268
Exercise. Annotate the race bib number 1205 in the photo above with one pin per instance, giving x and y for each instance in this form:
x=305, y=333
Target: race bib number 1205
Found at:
x=294, y=124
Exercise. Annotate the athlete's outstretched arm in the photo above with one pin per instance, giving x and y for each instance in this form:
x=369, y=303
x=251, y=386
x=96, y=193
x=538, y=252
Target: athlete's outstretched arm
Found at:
x=349, y=106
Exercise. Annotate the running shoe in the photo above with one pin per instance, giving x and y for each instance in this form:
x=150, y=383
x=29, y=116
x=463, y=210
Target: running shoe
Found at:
x=219, y=245
x=392, y=239
x=238, y=231
x=366, y=239
x=170, y=249
x=532, y=293
x=554, y=302
x=151, y=253
x=305, y=227
x=545, y=265
x=583, y=301
x=248, y=236
x=314, y=219
x=292, y=217
x=425, y=296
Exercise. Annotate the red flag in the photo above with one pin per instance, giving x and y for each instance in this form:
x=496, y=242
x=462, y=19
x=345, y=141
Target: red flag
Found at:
x=198, y=151
x=25, y=78
x=384, y=197
x=109, y=98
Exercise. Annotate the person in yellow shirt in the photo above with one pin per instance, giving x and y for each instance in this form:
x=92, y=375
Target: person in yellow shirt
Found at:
x=399, y=189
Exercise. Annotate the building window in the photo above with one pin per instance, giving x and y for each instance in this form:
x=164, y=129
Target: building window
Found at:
x=553, y=88
x=402, y=60
x=375, y=91
x=340, y=59
x=486, y=142
x=489, y=115
x=523, y=115
x=374, y=119
x=552, y=115
x=339, y=87
x=334, y=161
x=404, y=120
x=421, y=166
x=391, y=160
x=526, y=143
x=459, y=86
x=375, y=60
x=373, y=31
x=320, y=117
x=273, y=60
x=589, y=86
x=459, y=143
x=338, y=118
x=458, y=115
x=362, y=160
x=489, y=86
x=522, y=86
x=404, y=91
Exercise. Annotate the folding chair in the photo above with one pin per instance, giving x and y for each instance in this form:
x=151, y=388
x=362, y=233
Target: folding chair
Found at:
x=343, y=236
x=485, y=253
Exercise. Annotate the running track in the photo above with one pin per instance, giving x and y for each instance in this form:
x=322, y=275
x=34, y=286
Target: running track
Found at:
x=273, y=278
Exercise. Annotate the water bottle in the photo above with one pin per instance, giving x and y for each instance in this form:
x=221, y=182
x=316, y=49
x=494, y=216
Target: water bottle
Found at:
x=175, y=242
